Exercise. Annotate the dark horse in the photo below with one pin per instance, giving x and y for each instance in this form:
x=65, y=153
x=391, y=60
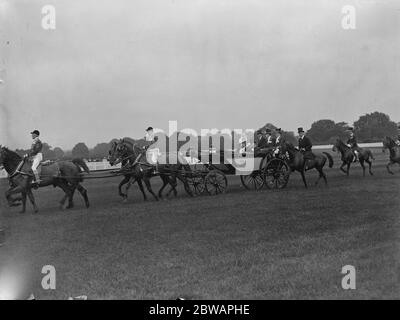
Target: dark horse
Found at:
x=297, y=162
x=64, y=174
x=364, y=155
x=133, y=160
x=394, y=150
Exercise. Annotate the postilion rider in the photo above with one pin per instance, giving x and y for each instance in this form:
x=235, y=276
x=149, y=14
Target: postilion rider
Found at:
x=305, y=146
x=35, y=154
x=352, y=143
x=152, y=154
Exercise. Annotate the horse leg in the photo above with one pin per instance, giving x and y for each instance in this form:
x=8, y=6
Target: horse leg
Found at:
x=363, y=167
x=32, y=200
x=369, y=166
x=165, y=181
x=148, y=186
x=10, y=192
x=71, y=198
x=342, y=167
x=173, y=184
x=348, y=168
x=65, y=187
x=122, y=183
x=23, y=195
x=388, y=167
x=83, y=193
x=304, y=178
x=186, y=185
x=140, y=183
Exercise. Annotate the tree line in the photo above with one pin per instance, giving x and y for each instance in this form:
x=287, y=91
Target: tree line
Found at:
x=372, y=127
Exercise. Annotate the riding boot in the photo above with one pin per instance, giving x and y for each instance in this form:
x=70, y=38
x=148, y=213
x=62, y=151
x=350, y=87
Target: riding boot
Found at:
x=37, y=180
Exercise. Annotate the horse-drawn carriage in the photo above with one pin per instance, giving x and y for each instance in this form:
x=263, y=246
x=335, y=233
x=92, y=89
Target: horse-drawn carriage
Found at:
x=267, y=170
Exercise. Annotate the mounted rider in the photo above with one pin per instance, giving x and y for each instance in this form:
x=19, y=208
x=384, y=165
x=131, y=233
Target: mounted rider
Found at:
x=35, y=154
x=352, y=143
x=305, y=146
x=151, y=153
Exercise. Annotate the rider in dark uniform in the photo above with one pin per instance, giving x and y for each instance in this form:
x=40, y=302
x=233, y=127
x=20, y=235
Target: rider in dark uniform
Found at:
x=305, y=146
x=352, y=143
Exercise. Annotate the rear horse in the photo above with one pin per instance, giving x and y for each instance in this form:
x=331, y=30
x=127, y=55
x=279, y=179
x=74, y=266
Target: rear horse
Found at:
x=64, y=174
x=348, y=156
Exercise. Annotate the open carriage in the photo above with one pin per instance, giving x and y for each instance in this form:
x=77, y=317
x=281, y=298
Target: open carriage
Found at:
x=267, y=170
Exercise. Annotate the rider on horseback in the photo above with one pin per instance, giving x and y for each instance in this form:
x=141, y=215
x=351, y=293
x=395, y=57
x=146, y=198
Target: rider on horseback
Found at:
x=151, y=139
x=352, y=143
x=305, y=146
x=36, y=155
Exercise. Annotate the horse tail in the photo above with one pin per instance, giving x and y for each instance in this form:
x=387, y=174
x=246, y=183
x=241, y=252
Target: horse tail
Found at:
x=330, y=159
x=369, y=152
x=81, y=164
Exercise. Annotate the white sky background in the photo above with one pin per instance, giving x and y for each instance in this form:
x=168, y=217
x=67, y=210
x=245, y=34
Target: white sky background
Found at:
x=113, y=67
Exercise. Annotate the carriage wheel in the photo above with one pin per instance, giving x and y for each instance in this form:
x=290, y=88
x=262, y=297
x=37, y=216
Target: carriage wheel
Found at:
x=197, y=185
x=276, y=174
x=253, y=181
x=216, y=182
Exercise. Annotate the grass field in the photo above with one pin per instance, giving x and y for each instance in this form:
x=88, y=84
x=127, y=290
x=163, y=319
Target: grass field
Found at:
x=290, y=243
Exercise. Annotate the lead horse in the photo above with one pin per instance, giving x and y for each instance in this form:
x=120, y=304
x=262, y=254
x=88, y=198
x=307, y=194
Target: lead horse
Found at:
x=394, y=151
x=138, y=169
x=64, y=174
x=347, y=154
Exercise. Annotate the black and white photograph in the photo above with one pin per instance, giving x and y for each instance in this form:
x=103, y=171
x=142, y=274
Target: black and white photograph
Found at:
x=199, y=155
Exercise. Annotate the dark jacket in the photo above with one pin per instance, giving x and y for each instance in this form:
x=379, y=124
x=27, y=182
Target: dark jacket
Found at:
x=352, y=142
x=37, y=147
x=305, y=144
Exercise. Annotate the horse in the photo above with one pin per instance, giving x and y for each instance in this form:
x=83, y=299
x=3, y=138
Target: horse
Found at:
x=297, y=162
x=364, y=155
x=64, y=174
x=133, y=159
x=394, y=150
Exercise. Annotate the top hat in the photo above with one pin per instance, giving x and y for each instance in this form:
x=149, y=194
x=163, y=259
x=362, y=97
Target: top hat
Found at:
x=350, y=129
x=300, y=130
x=149, y=128
x=35, y=132
x=278, y=130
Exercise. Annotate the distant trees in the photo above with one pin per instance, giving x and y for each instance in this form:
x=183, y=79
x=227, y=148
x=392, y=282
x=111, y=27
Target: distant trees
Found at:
x=373, y=127
x=58, y=153
x=100, y=151
x=80, y=151
x=325, y=131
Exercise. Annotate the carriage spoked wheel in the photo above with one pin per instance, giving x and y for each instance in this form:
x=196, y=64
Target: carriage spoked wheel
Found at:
x=215, y=182
x=197, y=185
x=253, y=181
x=276, y=174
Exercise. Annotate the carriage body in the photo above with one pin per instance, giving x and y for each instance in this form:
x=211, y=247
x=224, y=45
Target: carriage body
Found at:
x=266, y=170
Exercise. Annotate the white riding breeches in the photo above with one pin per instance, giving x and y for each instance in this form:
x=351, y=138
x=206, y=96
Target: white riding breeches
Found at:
x=37, y=159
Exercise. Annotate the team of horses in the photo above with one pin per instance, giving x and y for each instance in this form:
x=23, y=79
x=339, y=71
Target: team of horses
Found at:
x=68, y=175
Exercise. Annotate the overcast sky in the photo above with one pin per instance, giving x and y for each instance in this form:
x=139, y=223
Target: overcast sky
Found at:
x=113, y=67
